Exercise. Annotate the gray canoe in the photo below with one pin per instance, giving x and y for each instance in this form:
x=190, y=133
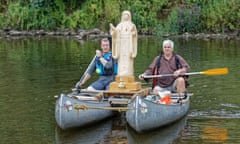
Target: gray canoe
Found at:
x=68, y=116
x=147, y=115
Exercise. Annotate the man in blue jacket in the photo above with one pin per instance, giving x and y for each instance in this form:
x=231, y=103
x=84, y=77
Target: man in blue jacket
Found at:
x=104, y=65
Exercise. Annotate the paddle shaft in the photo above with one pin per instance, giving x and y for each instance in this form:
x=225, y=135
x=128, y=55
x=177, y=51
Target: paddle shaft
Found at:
x=84, y=74
x=217, y=71
x=163, y=75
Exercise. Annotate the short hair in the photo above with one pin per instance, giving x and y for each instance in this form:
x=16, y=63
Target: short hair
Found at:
x=105, y=40
x=168, y=42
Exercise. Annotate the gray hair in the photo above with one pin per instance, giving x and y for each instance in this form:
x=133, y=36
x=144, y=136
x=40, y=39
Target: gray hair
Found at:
x=170, y=42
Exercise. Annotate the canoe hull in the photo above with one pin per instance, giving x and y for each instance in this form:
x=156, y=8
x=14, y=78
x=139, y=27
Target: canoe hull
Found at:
x=146, y=115
x=68, y=117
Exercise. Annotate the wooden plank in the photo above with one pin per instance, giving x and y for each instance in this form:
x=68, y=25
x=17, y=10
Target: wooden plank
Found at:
x=126, y=92
x=118, y=100
x=117, y=92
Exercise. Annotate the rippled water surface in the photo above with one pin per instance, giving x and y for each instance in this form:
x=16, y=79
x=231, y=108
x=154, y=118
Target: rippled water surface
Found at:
x=32, y=71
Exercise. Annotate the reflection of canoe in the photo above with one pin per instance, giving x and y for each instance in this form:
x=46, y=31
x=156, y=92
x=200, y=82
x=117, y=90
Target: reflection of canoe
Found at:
x=163, y=135
x=89, y=135
x=71, y=112
x=146, y=115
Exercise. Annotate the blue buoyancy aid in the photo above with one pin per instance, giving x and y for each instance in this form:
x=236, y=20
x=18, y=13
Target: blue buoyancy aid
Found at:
x=103, y=71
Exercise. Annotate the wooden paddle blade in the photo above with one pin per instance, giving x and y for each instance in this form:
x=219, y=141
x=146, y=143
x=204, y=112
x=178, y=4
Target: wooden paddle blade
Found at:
x=219, y=71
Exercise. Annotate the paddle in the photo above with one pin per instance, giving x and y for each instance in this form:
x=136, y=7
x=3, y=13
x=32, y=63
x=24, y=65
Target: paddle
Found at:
x=210, y=72
x=84, y=74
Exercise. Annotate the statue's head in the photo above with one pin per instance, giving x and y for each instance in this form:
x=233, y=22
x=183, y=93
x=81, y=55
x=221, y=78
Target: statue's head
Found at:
x=126, y=16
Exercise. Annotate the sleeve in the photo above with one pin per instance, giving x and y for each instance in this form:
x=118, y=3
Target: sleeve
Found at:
x=149, y=70
x=184, y=63
x=92, y=67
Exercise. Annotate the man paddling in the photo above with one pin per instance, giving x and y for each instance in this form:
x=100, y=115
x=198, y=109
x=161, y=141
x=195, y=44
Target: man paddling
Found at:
x=168, y=63
x=104, y=65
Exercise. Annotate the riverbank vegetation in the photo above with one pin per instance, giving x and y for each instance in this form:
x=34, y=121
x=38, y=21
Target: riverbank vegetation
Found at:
x=159, y=17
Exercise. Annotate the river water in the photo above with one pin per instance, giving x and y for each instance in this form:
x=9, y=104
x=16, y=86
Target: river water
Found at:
x=33, y=70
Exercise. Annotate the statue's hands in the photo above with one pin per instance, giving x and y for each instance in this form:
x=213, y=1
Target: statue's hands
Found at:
x=132, y=29
x=111, y=26
x=98, y=53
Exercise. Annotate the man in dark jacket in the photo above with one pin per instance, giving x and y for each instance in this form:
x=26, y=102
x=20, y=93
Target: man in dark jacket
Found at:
x=168, y=63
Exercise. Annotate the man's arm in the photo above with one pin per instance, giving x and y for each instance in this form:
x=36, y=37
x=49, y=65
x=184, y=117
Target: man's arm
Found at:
x=185, y=66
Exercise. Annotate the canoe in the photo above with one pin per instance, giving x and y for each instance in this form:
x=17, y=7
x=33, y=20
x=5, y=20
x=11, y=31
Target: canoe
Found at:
x=76, y=110
x=145, y=114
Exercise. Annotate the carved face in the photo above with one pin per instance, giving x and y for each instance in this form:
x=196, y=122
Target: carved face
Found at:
x=126, y=16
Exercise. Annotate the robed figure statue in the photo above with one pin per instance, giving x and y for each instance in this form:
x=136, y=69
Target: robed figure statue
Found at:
x=124, y=44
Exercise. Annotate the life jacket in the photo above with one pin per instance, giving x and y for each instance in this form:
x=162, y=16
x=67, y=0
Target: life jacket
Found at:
x=115, y=66
x=100, y=68
x=157, y=66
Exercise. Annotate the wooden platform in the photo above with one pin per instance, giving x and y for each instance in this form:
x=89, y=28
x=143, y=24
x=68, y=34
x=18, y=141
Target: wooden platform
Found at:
x=126, y=92
x=122, y=97
x=123, y=83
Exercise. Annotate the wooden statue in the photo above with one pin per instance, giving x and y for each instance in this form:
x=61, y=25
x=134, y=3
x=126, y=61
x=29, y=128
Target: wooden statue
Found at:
x=124, y=48
x=124, y=44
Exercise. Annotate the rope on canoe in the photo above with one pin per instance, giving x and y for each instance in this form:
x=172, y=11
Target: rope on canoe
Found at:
x=84, y=107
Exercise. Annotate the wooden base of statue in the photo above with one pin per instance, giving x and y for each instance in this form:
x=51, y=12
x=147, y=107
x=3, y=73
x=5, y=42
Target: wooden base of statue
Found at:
x=125, y=83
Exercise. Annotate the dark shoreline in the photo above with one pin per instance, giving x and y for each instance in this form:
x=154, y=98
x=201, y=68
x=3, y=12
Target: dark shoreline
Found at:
x=97, y=33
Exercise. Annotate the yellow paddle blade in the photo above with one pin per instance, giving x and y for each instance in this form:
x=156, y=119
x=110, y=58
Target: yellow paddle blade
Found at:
x=218, y=71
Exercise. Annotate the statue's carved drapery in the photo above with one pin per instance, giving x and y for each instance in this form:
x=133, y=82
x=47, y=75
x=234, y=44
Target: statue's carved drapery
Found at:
x=124, y=44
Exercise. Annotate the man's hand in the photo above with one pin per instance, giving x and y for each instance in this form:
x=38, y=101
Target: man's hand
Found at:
x=179, y=72
x=141, y=76
x=98, y=53
x=81, y=84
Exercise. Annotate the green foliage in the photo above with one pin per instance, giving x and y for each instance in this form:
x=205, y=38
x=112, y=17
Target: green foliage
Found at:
x=222, y=15
x=189, y=20
x=182, y=19
x=144, y=13
x=27, y=17
x=152, y=16
x=168, y=26
x=111, y=14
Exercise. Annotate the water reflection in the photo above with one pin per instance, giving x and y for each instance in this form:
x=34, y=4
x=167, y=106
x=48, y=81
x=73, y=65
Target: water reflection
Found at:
x=210, y=130
x=32, y=71
x=215, y=134
x=86, y=135
x=164, y=135
x=116, y=131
